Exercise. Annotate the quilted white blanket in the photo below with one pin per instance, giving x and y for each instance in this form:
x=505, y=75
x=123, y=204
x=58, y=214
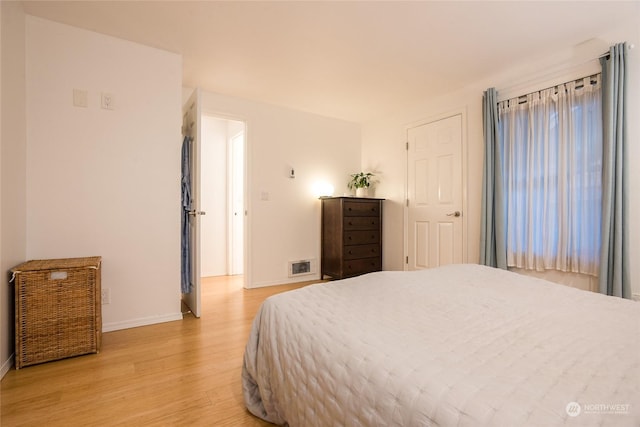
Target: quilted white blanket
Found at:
x=460, y=345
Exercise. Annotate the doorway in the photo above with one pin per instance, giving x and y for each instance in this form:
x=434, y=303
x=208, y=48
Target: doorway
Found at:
x=222, y=196
x=435, y=194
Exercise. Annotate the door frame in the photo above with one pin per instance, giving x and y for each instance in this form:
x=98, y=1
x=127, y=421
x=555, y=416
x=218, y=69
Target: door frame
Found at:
x=246, y=238
x=462, y=111
x=230, y=201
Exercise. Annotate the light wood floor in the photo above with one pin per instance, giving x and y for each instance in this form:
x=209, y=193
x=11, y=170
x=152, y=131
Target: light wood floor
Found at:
x=178, y=373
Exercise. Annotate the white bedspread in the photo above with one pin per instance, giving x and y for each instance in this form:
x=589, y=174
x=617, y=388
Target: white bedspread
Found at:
x=460, y=345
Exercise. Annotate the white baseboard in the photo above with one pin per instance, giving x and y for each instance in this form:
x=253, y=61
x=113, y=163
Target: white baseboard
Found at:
x=289, y=280
x=145, y=321
x=6, y=366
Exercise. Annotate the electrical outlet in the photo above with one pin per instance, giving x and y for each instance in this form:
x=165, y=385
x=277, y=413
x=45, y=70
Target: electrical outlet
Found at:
x=106, y=101
x=106, y=296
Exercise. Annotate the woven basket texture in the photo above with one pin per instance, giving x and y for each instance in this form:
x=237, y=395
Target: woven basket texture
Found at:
x=57, y=309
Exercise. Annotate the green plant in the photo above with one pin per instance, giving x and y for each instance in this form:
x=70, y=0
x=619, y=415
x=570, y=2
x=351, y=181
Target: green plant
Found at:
x=360, y=180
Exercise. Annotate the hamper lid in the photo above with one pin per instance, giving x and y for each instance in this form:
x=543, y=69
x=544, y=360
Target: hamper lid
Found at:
x=57, y=264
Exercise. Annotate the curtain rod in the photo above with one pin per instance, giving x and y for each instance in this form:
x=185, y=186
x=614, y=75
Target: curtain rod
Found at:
x=541, y=78
x=604, y=55
x=522, y=99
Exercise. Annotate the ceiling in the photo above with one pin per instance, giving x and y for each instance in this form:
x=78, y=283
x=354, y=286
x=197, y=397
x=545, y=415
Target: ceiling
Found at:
x=350, y=60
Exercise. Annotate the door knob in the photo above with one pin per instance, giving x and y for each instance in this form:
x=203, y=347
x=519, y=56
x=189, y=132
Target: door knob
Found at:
x=456, y=214
x=194, y=213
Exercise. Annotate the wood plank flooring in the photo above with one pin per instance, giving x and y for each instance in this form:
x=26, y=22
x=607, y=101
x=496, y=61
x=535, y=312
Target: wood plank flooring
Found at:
x=171, y=374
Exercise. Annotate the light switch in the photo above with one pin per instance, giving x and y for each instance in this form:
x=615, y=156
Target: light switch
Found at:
x=264, y=195
x=80, y=98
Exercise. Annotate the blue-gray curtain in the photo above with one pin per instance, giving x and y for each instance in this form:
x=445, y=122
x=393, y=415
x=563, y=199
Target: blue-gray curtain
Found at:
x=614, y=254
x=185, y=266
x=493, y=250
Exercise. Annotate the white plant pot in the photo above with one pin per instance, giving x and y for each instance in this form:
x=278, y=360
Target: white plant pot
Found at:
x=362, y=192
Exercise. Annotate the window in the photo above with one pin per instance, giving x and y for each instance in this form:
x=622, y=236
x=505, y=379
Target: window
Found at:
x=551, y=145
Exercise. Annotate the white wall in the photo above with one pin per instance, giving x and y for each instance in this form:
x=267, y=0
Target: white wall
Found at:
x=383, y=140
x=106, y=182
x=12, y=166
x=287, y=226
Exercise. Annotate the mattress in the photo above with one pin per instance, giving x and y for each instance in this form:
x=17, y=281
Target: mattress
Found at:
x=461, y=345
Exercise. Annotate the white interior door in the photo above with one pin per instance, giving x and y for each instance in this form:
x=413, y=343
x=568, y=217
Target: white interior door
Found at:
x=214, y=260
x=192, y=127
x=236, y=178
x=435, y=193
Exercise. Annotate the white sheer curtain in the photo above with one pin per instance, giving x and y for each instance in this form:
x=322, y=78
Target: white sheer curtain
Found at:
x=552, y=165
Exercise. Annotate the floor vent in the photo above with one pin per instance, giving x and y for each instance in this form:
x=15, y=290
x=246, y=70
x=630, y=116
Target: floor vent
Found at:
x=302, y=267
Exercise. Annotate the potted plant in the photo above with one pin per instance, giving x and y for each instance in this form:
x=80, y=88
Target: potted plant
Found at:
x=361, y=182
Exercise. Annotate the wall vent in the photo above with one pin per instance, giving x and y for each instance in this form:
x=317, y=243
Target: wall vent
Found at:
x=302, y=267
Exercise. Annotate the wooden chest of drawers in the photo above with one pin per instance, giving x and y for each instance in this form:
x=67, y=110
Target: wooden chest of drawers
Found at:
x=351, y=236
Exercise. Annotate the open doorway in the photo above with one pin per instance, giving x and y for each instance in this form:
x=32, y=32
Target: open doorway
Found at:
x=222, y=196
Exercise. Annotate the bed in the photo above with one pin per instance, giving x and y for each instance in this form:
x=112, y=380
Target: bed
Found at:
x=461, y=345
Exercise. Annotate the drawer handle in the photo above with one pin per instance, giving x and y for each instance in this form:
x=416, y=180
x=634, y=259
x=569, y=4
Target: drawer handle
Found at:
x=349, y=237
x=350, y=223
x=350, y=253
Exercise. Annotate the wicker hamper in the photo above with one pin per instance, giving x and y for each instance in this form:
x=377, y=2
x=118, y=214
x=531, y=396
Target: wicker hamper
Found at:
x=57, y=308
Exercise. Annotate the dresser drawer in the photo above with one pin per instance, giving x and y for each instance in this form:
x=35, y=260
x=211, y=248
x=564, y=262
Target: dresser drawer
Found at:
x=362, y=223
x=361, y=251
x=361, y=208
x=361, y=266
x=363, y=237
